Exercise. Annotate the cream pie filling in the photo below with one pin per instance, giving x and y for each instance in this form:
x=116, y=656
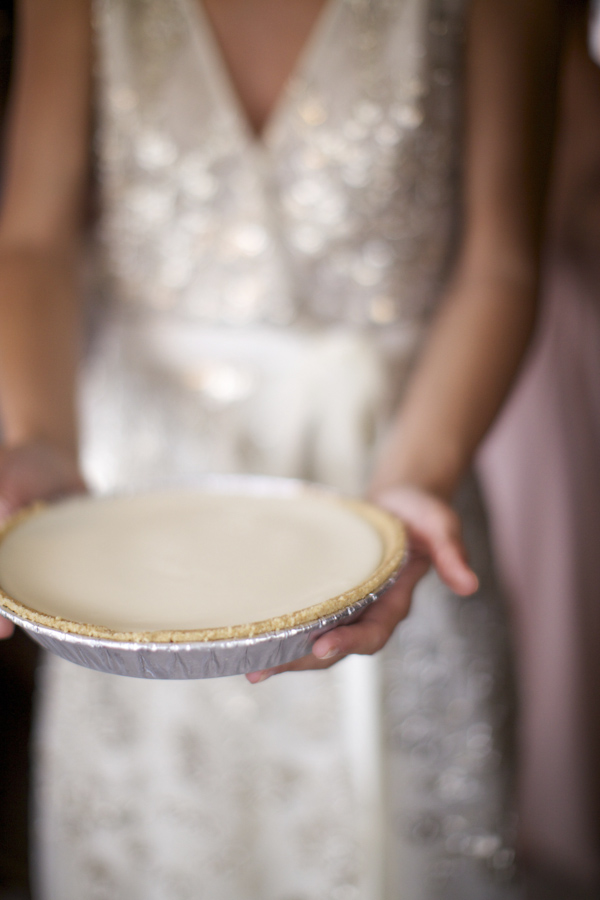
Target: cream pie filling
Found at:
x=187, y=561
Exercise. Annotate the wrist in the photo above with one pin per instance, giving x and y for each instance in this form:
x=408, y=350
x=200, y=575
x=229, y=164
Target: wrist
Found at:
x=436, y=473
x=66, y=445
x=32, y=422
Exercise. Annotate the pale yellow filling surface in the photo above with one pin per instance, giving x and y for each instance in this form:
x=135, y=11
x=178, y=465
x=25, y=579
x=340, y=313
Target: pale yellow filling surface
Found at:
x=186, y=561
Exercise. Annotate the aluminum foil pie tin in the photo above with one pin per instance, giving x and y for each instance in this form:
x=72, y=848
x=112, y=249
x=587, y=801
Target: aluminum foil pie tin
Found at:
x=181, y=659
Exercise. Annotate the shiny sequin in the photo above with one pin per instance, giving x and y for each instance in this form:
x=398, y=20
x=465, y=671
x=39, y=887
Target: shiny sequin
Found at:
x=330, y=171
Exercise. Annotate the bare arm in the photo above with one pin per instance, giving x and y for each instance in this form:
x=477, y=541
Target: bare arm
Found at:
x=487, y=315
x=46, y=166
x=44, y=183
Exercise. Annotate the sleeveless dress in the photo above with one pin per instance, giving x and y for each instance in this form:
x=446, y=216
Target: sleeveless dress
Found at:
x=259, y=305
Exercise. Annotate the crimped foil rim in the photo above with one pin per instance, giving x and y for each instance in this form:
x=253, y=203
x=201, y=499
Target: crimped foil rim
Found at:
x=389, y=528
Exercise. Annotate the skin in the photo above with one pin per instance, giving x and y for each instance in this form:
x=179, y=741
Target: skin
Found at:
x=475, y=345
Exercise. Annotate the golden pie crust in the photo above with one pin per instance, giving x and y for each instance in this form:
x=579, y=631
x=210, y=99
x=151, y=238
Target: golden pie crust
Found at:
x=394, y=551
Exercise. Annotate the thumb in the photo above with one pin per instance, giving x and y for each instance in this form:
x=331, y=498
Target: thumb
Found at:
x=6, y=628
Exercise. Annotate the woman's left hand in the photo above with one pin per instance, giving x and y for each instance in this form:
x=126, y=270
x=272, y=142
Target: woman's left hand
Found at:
x=434, y=533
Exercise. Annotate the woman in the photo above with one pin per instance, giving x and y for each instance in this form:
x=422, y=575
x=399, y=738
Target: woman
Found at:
x=276, y=234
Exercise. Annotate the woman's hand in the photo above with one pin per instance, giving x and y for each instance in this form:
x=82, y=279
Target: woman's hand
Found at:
x=37, y=470
x=434, y=539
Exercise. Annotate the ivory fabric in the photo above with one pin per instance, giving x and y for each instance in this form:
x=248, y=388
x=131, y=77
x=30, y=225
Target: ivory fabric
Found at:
x=263, y=301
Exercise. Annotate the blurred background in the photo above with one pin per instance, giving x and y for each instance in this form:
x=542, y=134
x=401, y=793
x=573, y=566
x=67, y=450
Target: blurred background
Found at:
x=542, y=478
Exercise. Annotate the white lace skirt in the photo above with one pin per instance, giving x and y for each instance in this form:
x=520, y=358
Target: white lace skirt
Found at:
x=381, y=778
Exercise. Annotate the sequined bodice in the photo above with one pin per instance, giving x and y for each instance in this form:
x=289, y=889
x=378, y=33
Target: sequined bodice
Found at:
x=341, y=213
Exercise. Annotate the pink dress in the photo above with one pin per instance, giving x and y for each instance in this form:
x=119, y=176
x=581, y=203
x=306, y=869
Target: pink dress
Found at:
x=542, y=473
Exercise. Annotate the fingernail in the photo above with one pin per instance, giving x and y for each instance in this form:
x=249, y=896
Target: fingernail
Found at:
x=333, y=651
x=474, y=585
x=257, y=677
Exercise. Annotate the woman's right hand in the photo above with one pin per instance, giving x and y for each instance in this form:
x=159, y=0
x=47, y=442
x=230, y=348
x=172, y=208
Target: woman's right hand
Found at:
x=37, y=470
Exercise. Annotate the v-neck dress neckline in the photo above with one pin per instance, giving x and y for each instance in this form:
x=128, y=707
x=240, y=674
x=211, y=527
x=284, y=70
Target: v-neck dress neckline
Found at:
x=208, y=46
